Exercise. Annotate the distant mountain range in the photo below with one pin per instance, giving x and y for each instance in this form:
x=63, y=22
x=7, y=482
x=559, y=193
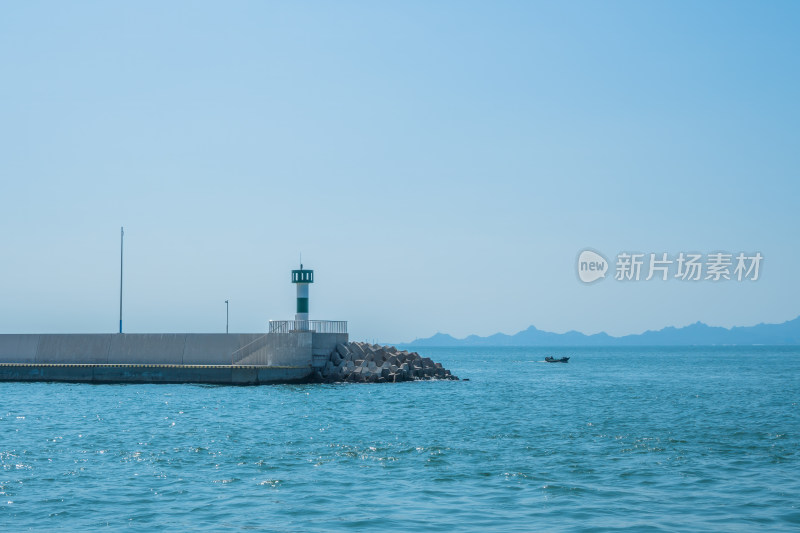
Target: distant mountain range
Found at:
x=698, y=333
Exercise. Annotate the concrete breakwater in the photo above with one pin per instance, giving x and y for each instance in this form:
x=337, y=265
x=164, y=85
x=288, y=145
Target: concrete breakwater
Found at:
x=156, y=373
x=236, y=359
x=274, y=349
x=361, y=362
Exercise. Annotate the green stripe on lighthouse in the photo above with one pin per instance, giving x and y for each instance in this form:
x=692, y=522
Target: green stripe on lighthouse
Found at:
x=302, y=305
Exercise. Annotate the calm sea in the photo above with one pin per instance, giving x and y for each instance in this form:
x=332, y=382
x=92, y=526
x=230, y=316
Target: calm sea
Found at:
x=637, y=439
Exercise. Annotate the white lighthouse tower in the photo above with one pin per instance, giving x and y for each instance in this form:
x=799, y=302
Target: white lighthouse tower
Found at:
x=302, y=278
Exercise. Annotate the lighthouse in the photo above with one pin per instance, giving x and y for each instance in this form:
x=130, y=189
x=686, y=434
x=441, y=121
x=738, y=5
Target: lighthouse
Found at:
x=302, y=278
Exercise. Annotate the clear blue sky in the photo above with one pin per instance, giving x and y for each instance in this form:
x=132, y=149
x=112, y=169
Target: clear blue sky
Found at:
x=439, y=164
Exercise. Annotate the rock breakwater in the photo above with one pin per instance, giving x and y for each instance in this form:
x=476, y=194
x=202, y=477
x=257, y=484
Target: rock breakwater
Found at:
x=361, y=362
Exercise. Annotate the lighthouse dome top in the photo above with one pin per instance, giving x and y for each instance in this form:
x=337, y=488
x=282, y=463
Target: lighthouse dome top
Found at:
x=302, y=275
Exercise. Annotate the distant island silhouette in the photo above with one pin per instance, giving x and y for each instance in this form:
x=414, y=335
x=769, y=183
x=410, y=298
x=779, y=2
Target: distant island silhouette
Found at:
x=697, y=334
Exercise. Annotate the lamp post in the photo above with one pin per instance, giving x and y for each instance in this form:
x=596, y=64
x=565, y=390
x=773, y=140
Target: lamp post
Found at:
x=121, y=240
x=226, y=316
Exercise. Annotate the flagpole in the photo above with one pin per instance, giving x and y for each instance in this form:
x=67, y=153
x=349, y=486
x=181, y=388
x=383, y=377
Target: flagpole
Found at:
x=121, y=237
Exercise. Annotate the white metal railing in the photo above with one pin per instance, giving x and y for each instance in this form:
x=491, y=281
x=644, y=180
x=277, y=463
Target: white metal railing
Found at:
x=317, y=326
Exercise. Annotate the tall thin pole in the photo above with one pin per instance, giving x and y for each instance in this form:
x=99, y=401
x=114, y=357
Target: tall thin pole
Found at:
x=121, y=239
x=226, y=316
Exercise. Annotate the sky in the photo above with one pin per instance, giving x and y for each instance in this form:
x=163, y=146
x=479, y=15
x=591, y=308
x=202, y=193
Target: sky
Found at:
x=440, y=165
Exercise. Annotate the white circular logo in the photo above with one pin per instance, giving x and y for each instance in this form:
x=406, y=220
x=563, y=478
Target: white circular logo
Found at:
x=591, y=266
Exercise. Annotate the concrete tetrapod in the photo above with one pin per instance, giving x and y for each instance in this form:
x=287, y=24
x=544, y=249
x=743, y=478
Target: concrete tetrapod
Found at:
x=360, y=362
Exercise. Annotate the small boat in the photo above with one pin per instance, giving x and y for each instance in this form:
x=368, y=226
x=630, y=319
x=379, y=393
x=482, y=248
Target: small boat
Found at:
x=549, y=359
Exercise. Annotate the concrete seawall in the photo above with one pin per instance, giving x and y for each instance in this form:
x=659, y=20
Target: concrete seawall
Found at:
x=245, y=358
x=100, y=373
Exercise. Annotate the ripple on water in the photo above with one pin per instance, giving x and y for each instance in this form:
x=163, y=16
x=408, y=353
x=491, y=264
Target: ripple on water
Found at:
x=638, y=439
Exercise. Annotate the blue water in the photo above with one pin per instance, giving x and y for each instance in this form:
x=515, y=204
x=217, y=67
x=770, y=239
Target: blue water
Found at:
x=681, y=439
